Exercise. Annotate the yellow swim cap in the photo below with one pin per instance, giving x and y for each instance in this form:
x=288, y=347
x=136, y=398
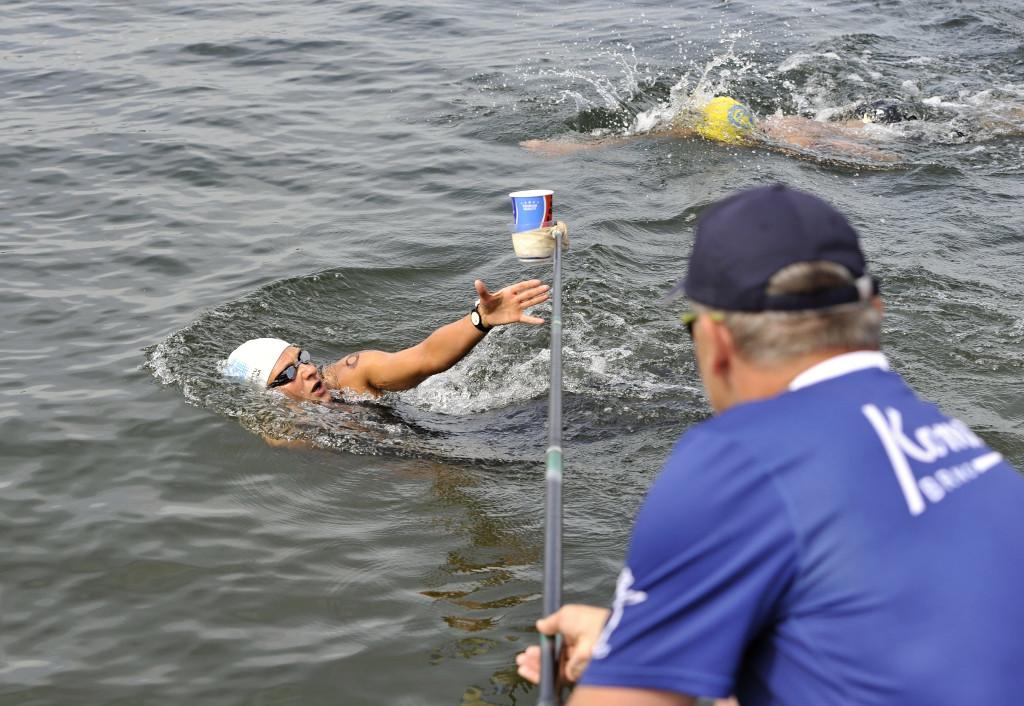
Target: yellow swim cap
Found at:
x=726, y=120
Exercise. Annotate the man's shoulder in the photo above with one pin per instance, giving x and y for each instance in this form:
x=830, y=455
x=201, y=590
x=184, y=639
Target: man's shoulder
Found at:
x=714, y=466
x=779, y=431
x=709, y=440
x=734, y=437
x=713, y=495
x=815, y=405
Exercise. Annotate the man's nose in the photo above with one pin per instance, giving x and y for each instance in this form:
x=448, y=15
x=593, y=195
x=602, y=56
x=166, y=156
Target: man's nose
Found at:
x=307, y=370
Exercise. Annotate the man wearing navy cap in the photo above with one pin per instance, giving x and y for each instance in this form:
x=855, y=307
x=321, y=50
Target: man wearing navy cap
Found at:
x=827, y=537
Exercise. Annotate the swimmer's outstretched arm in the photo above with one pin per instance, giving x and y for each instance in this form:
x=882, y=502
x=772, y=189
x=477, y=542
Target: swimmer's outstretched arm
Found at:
x=374, y=372
x=558, y=148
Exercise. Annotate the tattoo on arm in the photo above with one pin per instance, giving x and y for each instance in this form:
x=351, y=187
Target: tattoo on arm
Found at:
x=352, y=361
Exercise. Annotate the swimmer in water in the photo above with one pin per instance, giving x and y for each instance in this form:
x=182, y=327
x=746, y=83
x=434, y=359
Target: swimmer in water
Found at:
x=277, y=364
x=998, y=120
x=726, y=120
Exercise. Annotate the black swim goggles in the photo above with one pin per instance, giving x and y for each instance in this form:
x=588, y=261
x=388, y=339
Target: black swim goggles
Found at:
x=289, y=373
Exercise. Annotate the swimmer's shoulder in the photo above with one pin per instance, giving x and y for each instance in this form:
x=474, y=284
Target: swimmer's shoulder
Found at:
x=350, y=373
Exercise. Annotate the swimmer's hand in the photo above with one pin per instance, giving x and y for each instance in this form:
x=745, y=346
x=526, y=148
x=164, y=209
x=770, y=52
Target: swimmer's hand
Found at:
x=287, y=443
x=509, y=304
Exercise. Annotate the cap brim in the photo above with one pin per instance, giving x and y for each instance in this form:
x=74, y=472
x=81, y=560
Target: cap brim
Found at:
x=673, y=294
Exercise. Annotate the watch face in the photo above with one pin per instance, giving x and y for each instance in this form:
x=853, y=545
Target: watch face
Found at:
x=475, y=318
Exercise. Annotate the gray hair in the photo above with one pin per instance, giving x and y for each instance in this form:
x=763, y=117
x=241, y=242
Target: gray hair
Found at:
x=769, y=337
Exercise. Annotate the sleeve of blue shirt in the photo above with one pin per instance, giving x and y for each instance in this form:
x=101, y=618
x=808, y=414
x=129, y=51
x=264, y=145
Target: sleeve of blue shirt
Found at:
x=712, y=553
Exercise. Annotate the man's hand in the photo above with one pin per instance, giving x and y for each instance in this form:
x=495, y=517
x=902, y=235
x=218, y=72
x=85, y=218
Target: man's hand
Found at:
x=580, y=626
x=509, y=305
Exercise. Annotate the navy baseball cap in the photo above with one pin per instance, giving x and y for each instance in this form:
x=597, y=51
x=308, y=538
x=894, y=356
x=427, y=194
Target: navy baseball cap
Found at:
x=743, y=240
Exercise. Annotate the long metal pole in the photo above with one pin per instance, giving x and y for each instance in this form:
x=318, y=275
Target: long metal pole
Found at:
x=549, y=691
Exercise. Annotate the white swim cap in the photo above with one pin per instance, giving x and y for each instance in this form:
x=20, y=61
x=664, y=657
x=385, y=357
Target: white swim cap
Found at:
x=255, y=359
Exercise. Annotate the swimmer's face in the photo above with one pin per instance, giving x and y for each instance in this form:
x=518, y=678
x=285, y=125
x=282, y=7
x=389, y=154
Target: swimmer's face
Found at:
x=307, y=384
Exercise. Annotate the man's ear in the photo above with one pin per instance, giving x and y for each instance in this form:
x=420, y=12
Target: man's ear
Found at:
x=720, y=347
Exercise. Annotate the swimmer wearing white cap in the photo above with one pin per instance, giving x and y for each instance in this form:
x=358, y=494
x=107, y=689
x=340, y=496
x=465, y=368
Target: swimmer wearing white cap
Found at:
x=277, y=364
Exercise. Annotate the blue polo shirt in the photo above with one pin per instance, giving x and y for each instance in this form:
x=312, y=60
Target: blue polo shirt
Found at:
x=841, y=543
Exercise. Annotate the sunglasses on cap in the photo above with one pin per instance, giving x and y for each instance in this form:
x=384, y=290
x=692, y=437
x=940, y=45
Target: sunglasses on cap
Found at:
x=289, y=373
x=689, y=318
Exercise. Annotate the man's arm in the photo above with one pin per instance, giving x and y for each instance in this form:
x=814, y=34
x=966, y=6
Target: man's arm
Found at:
x=612, y=696
x=374, y=372
x=712, y=556
x=616, y=696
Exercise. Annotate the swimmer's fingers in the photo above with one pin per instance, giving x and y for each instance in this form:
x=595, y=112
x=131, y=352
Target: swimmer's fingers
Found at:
x=509, y=305
x=529, y=297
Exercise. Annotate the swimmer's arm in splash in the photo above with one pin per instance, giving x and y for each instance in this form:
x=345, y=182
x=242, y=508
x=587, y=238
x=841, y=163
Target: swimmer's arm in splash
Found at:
x=375, y=372
x=565, y=146
x=795, y=134
x=288, y=443
x=560, y=148
x=1005, y=122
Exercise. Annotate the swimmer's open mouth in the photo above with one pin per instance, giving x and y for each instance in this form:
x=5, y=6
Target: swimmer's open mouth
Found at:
x=317, y=386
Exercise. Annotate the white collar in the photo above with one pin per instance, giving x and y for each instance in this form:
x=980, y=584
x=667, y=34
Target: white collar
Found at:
x=842, y=364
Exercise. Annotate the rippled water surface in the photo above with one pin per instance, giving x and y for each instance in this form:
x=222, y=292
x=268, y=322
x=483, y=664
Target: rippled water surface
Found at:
x=178, y=176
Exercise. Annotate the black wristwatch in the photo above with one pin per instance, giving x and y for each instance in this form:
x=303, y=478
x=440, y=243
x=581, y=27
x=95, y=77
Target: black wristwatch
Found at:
x=477, y=319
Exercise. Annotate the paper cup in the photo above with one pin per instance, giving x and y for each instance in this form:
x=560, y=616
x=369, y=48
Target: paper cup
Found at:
x=532, y=209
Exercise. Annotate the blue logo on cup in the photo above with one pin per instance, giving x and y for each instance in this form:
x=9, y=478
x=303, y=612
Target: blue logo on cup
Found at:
x=532, y=209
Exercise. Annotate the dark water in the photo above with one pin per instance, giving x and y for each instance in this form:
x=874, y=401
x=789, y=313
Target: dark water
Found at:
x=178, y=176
